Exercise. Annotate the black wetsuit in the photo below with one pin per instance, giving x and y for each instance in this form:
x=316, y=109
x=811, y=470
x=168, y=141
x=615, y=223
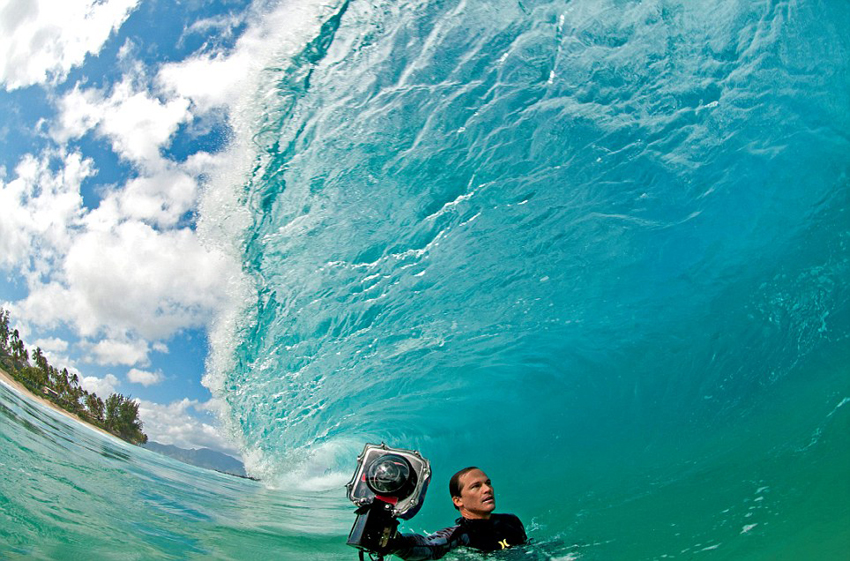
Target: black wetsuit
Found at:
x=500, y=531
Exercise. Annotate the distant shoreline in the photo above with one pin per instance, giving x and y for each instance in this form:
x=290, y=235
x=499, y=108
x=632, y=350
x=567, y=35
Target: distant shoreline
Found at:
x=25, y=393
x=19, y=388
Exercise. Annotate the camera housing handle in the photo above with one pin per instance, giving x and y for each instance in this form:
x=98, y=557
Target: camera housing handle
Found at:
x=374, y=528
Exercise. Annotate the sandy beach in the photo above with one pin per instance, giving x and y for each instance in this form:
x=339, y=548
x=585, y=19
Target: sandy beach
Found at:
x=26, y=394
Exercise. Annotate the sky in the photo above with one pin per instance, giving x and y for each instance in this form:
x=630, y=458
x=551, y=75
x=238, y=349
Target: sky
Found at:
x=114, y=117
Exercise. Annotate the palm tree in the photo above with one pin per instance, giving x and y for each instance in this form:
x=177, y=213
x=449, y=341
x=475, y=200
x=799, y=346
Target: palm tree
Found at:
x=41, y=360
x=118, y=414
x=95, y=406
x=19, y=351
x=4, y=330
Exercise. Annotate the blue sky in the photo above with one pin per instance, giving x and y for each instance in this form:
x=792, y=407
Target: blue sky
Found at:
x=114, y=117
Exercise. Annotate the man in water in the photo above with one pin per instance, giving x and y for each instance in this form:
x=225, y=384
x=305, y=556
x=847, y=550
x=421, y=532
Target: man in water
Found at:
x=478, y=527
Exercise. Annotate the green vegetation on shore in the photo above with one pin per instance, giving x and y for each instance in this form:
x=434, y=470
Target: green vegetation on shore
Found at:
x=118, y=415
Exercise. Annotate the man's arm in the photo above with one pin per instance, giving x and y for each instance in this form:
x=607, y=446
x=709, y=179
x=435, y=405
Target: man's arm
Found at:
x=414, y=547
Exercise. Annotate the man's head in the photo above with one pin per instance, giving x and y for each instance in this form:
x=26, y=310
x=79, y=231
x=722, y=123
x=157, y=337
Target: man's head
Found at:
x=472, y=493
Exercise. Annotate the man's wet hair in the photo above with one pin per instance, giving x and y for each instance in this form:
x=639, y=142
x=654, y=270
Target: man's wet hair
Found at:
x=454, y=482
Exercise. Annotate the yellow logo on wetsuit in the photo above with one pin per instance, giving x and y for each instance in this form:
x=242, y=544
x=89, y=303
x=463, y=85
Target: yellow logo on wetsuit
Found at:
x=504, y=544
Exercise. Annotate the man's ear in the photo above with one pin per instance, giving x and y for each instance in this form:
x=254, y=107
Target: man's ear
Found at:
x=457, y=501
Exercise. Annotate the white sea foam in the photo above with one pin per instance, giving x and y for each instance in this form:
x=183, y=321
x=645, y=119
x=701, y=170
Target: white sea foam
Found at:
x=319, y=468
x=747, y=528
x=273, y=37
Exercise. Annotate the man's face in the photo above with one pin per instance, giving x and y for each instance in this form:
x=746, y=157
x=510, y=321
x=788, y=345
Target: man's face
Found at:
x=477, y=499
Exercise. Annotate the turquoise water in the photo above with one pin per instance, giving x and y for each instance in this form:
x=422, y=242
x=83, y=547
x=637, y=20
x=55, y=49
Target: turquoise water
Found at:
x=599, y=249
x=69, y=492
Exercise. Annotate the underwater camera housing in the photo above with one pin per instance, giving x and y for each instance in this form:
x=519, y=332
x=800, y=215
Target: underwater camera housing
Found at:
x=389, y=483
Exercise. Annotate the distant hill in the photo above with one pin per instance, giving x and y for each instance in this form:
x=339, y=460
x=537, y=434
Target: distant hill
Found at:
x=201, y=457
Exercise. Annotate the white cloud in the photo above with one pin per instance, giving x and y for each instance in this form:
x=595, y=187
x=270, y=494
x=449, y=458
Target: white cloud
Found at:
x=217, y=79
x=137, y=123
x=77, y=114
x=144, y=377
x=41, y=208
x=126, y=51
x=130, y=267
x=103, y=387
x=161, y=200
x=134, y=280
x=41, y=40
x=215, y=405
x=176, y=424
x=52, y=344
x=138, y=278
x=118, y=352
x=210, y=80
x=222, y=25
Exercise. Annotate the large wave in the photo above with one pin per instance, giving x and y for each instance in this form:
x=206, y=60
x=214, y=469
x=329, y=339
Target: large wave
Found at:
x=600, y=239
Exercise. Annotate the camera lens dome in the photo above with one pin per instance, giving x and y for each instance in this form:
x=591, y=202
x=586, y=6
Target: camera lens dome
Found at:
x=389, y=475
